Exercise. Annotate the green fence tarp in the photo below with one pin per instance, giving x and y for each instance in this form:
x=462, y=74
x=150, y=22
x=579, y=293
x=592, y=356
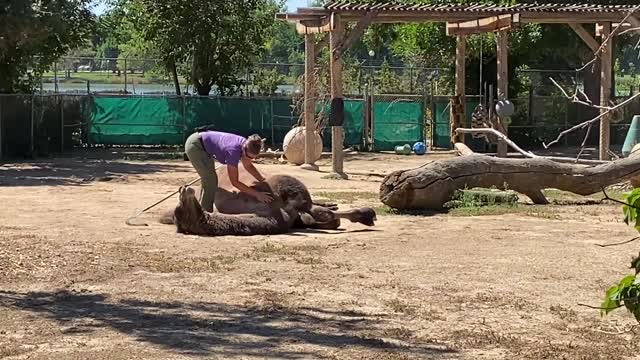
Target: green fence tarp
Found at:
x=353, y=123
x=119, y=120
x=397, y=123
x=139, y=121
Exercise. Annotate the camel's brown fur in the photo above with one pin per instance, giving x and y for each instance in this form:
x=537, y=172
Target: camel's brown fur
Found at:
x=291, y=199
x=190, y=218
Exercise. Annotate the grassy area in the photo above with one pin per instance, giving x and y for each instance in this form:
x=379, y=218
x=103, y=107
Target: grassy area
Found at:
x=107, y=78
x=347, y=197
x=544, y=212
x=560, y=197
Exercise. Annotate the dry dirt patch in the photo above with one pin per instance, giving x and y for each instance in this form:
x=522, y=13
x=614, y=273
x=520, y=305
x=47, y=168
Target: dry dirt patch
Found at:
x=500, y=284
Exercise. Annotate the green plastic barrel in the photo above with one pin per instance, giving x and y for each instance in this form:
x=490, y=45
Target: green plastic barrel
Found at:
x=403, y=149
x=633, y=136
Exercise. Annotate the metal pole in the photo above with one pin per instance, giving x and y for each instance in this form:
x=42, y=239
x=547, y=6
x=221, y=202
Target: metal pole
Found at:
x=55, y=77
x=61, y=100
x=184, y=120
x=125, y=75
x=273, y=140
x=31, y=140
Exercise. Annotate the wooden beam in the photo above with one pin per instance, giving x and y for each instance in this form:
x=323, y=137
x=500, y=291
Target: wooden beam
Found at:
x=633, y=22
x=400, y=16
x=320, y=25
x=355, y=33
x=309, y=102
x=585, y=36
x=606, y=59
x=457, y=110
x=502, y=51
x=337, y=132
x=478, y=26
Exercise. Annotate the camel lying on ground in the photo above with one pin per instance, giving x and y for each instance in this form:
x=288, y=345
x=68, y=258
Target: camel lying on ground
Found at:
x=240, y=214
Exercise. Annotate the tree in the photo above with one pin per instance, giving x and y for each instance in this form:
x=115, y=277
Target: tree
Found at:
x=34, y=34
x=219, y=39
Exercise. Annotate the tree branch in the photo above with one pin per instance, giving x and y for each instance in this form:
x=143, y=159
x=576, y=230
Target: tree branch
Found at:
x=589, y=122
x=599, y=307
x=619, y=243
x=614, y=32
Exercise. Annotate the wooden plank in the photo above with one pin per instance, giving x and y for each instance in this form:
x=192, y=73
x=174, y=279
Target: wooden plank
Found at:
x=309, y=101
x=606, y=59
x=585, y=36
x=457, y=106
x=315, y=26
x=337, y=132
x=502, y=43
x=633, y=22
x=478, y=26
x=355, y=33
x=403, y=16
x=625, y=26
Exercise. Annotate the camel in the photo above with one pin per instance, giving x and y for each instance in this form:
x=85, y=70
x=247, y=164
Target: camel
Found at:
x=239, y=214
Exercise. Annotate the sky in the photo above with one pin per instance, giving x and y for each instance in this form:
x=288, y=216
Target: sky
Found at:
x=292, y=5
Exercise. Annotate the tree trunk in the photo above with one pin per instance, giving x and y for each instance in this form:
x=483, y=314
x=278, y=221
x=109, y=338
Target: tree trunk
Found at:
x=174, y=74
x=432, y=185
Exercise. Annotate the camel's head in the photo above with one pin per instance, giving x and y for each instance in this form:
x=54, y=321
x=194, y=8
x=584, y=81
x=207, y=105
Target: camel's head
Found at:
x=365, y=215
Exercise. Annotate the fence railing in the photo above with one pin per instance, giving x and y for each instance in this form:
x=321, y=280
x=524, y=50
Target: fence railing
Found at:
x=39, y=124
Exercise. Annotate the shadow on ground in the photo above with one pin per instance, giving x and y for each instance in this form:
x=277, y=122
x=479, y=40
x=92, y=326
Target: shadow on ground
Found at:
x=212, y=328
x=75, y=171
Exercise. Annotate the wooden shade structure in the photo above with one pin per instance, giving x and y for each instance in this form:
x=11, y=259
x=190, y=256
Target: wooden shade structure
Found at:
x=461, y=21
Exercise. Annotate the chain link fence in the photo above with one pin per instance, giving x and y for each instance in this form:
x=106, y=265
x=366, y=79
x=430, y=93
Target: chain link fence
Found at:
x=542, y=111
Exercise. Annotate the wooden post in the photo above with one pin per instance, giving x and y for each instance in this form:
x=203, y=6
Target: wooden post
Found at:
x=502, y=43
x=337, y=132
x=457, y=108
x=309, y=102
x=606, y=57
x=1, y=144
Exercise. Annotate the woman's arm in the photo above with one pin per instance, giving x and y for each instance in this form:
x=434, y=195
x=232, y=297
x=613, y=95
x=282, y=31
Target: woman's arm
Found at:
x=233, y=177
x=248, y=164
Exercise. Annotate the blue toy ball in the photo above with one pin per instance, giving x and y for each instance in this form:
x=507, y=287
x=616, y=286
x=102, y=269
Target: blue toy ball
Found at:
x=419, y=148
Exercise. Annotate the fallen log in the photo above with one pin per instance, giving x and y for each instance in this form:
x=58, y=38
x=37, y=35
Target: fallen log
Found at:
x=432, y=185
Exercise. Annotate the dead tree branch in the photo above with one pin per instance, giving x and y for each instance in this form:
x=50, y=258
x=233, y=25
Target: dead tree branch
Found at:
x=589, y=122
x=619, y=243
x=614, y=32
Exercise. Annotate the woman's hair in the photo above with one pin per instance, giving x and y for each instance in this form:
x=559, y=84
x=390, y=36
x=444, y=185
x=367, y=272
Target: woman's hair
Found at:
x=254, y=144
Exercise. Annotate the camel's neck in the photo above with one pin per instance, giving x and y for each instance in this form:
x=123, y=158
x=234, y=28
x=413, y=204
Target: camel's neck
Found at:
x=217, y=224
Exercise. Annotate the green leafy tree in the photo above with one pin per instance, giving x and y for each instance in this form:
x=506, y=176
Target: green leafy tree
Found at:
x=267, y=81
x=34, y=34
x=626, y=293
x=219, y=39
x=388, y=80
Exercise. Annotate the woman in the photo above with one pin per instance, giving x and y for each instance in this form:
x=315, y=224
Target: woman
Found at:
x=229, y=149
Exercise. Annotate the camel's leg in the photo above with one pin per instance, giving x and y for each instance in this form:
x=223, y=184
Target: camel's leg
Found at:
x=189, y=211
x=307, y=221
x=328, y=205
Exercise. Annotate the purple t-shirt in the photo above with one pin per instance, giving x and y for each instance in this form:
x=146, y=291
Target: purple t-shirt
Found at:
x=224, y=147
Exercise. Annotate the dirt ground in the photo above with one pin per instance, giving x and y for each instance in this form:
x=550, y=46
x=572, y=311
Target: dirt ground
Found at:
x=77, y=283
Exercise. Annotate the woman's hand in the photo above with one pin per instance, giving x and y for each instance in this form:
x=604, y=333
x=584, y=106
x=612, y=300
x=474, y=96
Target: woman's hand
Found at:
x=263, y=197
